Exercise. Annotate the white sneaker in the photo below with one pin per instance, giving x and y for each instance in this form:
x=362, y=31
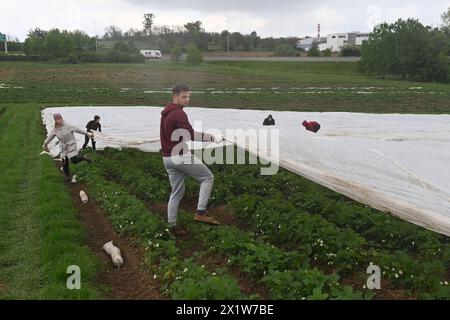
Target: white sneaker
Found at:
x=74, y=179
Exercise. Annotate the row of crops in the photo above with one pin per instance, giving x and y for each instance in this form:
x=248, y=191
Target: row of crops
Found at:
x=292, y=237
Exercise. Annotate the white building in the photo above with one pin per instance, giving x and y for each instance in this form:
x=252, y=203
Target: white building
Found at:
x=360, y=37
x=334, y=41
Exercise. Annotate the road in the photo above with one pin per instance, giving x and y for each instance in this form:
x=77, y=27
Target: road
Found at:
x=283, y=59
x=279, y=59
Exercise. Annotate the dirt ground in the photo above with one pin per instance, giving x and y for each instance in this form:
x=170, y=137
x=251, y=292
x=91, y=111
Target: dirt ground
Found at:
x=131, y=281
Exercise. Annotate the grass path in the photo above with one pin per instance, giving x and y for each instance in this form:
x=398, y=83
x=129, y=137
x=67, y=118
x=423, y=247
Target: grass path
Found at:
x=40, y=235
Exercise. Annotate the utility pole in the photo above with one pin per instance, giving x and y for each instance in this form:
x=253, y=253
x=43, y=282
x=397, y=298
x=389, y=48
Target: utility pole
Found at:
x=96, y=38
x=228, y=36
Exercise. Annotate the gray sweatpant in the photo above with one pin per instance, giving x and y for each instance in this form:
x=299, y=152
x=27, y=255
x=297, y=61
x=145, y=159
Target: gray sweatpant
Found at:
x=178, y=167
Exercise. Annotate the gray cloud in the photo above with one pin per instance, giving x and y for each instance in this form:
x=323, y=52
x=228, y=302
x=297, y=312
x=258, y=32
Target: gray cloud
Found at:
x=268, y=18
x=296, y=17
x=208, y=6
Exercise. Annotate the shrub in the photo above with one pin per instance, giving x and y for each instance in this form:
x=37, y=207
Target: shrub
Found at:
x=350, y=51
x=194, y=56
x=114, y=56
x=326, y=53
x=20, y=57
x=176, y=53
x=314, y=52
x=285, y=50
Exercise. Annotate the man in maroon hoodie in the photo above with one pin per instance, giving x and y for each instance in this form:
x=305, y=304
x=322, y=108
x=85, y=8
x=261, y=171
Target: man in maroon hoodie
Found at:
x=175, y=130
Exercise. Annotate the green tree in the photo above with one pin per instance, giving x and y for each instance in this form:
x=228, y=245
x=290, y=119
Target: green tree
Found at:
x=446, y=26
x=285, y=50
x=113, y=33
x=82, y=41
x=34, y=43
x=194, y=27
x=269, y=43
x=148, y=23
x=194, y=55
x=349, y=51
x=132, y=46
x=326, y=53
x=446, y=21
x=314, y=51
x=238, y=40
x=120, y=46
x=58, y=44
x=406, y=49
x=197, y=34
x=254, y=40
x=175, y=53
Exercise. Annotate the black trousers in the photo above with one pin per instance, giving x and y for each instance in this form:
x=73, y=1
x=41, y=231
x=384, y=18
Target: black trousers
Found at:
x=74, y=160
x=86, y=142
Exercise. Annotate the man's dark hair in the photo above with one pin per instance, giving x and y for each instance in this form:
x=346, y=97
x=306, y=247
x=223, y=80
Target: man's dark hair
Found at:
x=96, y=118
x=179, y=88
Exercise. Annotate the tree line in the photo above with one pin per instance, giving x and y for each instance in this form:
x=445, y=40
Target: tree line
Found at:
x=164, y=38
x=406, y=48
x=409, y=50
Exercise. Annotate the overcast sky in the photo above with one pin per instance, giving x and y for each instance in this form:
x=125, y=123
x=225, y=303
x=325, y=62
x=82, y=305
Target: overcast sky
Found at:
x=267, y=18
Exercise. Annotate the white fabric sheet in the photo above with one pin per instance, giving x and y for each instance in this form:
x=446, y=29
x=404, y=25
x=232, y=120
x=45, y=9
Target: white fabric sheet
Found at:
x=392, y=162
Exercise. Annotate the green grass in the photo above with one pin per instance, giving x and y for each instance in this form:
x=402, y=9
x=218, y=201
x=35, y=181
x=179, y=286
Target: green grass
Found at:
x=40, y=235
x=336, y=86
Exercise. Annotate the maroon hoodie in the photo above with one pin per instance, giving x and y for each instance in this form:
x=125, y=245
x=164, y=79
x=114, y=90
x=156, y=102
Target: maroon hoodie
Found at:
x=173, y=117
x=311, y=126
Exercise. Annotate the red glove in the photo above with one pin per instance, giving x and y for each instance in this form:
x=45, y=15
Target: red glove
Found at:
x=312, y=126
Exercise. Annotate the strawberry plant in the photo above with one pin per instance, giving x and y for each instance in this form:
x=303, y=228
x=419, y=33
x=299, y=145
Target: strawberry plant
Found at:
x=181, y=278
x=308, y=223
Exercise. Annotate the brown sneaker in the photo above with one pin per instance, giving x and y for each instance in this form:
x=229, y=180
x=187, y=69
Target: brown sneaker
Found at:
x=206, y=219
x=177, y=231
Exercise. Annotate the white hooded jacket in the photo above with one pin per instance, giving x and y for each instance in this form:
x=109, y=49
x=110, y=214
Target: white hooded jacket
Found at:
x=66, y=139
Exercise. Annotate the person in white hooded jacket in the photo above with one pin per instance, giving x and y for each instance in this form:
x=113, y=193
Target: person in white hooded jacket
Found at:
x=65, y=134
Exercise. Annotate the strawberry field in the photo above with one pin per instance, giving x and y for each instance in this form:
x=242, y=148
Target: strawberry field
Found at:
x=282, y=236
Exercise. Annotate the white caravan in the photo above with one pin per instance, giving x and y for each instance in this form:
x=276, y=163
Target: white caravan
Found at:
x=151, y=54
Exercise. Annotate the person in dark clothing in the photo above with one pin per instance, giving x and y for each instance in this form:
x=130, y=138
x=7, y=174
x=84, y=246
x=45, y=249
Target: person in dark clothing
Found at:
x=92, y=125
x=312, y=126
x=269, y=121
